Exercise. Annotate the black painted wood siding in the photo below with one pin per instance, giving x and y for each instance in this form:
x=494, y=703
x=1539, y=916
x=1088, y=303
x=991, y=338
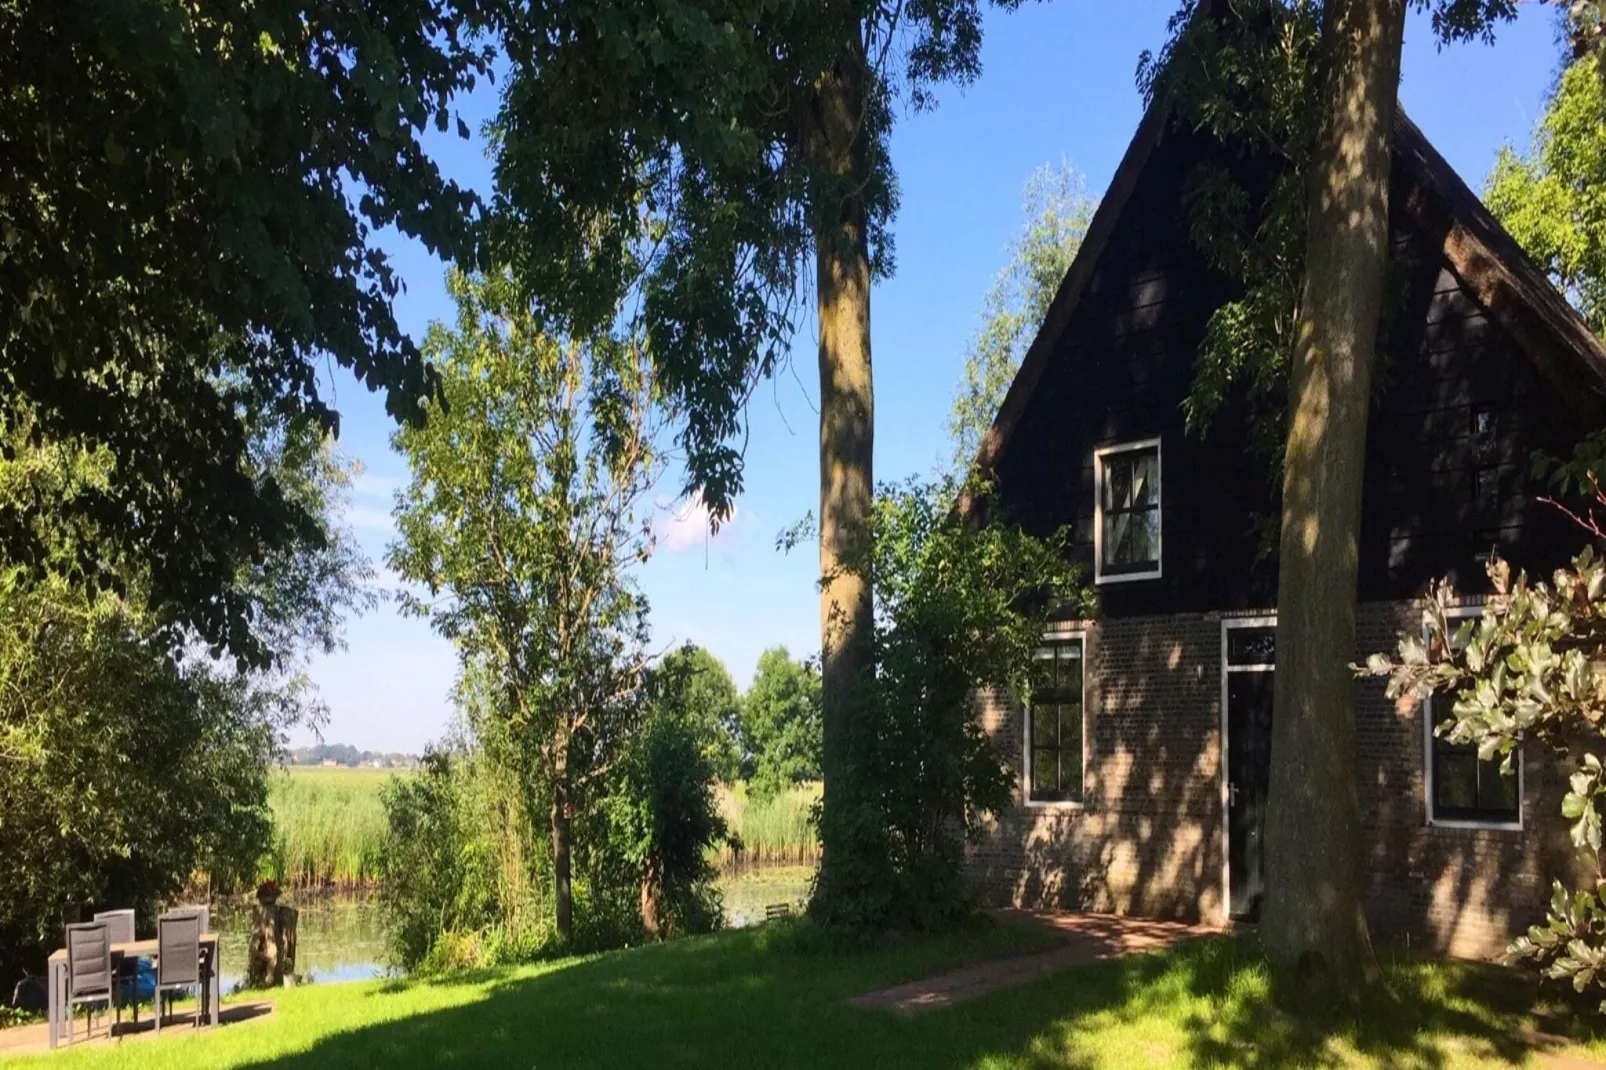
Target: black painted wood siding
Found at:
x=1439, y=491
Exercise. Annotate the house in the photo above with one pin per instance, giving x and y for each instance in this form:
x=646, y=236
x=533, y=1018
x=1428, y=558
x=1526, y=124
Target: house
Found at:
x=1141, y=769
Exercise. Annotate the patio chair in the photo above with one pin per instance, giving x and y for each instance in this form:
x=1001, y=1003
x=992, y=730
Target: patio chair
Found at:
x=89, y=970
x=120, y=927
x=204, y=912
x=200, y=910
x=178, y=960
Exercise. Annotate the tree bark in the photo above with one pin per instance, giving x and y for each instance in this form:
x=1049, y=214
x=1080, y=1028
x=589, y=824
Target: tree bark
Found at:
x=562, y=888
x=1313, y=928
x=847, y=431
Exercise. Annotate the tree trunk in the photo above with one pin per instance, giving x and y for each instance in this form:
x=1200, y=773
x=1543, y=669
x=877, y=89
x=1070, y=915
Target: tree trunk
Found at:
x=847, y=407
x=1313, y=928
x=562, y=890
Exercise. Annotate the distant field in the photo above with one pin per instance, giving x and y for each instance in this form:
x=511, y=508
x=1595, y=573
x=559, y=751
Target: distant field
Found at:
x=328, y=825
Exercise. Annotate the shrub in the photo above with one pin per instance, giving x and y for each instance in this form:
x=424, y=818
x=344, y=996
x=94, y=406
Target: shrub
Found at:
x=461, y=869
x=1533, y=667
x=960, y=605
x=664, y=817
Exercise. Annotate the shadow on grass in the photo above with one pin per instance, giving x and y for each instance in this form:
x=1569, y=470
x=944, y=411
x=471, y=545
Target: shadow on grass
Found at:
x=764, y=999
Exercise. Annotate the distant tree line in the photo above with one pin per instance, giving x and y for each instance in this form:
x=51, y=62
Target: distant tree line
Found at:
x=347, y=755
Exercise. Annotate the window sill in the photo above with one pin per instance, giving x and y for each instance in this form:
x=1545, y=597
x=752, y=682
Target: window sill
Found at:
x=1466, y=824
x=1125, y=577
x=1055, y=804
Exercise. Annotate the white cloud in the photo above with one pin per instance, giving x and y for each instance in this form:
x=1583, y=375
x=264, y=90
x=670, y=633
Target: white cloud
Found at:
x=369, y=485
x=690, y=525
x=369, y=518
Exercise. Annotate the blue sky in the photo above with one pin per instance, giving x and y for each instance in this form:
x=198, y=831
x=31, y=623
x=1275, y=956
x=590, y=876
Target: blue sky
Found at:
x=1057, y=84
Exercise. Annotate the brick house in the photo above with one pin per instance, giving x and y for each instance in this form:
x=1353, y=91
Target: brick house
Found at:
x=1141, y=770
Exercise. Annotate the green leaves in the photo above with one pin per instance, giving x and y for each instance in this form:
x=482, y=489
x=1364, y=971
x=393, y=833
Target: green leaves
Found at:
x=181, y=199
x=1058, y=211
x=1528, y=671
x=781, y=723
x=1553, y=197
x=523, y=516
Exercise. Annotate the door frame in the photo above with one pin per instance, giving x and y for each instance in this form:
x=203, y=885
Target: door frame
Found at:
x=1263, y=620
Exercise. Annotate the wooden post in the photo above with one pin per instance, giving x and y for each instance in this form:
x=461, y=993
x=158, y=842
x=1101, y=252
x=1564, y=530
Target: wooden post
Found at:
x=271, y=951
x=288, y=919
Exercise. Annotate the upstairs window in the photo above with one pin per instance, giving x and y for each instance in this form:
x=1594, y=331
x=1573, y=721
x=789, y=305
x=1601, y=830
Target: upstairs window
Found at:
x=1462, y=790
x=1126, y=522
x=1054, y=724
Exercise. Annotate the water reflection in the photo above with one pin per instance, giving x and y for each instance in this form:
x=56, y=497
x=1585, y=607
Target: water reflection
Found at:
x=341, y=937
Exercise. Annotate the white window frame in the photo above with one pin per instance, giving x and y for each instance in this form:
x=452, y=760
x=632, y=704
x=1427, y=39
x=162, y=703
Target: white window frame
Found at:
x=1228, y=624
x=1050, y=638
x=1452, y=615
x=1099, y=578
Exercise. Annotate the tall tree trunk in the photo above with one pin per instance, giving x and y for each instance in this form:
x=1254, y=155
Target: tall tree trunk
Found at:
x=562, y=815
x=847, y=432
x=1313, y=926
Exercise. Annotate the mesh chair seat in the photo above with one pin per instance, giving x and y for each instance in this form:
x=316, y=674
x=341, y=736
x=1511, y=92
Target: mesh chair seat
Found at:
x=89, y=969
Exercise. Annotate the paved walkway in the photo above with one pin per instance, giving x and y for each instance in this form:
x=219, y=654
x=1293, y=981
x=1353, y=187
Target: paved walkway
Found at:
x=1088, y=938
x=34, y=1038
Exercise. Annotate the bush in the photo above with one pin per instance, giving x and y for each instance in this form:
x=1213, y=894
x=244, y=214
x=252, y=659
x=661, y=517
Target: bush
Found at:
x=461, y=871
x=960, y=605
x=664, y=818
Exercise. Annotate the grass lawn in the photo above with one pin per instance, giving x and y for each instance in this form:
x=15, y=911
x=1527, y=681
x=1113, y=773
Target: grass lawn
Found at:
x=768, y=998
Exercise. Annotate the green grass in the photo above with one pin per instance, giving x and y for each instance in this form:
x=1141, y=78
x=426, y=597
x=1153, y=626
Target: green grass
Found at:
x=328, y=825
x=766, y=998
x=775, y=830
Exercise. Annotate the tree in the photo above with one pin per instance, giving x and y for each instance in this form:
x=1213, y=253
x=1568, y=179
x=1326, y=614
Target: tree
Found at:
x=692, y=685
x=755, y=134
x=1058, y=211
x=190, y=190
x=1329, y=109
x=1550, y=200
x=128, y=769
x=962, y=605
x=1312, y=919
x=521, y=519
x=781, y=723
x=664, y=820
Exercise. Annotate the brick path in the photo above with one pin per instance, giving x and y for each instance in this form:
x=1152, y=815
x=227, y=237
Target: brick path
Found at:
x=34, y=1038
x=1088, y=938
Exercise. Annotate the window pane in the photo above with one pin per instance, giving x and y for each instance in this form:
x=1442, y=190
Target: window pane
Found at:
x=1043, y=671
x=1145, y=536
x=1145, y=468
x=1116, y=526
x=1071, y=677
x=1455, y=779
x=1117, y=481
x=1071, y=751
x=1045, y=725
x=1252, y=646
x=1045, y=773
x=1497, y=793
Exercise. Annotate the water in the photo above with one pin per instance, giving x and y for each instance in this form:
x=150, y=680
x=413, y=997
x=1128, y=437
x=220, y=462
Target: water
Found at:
x=340, y=937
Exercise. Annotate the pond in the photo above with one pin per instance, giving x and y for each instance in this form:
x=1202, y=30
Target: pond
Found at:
x=341, y=937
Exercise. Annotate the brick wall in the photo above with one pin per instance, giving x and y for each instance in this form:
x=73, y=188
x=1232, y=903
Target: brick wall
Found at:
x=1147, y=837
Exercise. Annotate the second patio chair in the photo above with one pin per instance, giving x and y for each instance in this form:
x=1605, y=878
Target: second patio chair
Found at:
x=120, y=928
x=178, y=960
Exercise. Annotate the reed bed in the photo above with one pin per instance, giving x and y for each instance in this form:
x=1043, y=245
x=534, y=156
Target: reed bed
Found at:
x=328, y=827
x=775, y=831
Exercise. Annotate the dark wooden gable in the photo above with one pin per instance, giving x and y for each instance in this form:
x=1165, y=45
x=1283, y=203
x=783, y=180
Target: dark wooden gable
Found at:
x=1461, y=404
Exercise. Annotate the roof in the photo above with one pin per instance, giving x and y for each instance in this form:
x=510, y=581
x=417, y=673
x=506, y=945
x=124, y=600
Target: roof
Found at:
x=1515, y=291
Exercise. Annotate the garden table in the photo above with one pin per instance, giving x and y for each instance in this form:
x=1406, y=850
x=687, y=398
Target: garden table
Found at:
x=211, y=994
